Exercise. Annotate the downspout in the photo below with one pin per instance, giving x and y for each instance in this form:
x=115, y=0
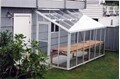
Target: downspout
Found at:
x=0, y=16
x=36, y=4
x=64, y=4
x=85, y=4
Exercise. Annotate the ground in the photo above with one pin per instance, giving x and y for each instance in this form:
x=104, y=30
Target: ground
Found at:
x=106, y=67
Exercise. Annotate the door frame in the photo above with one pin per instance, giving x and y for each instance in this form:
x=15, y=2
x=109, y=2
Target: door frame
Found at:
x=49, y=36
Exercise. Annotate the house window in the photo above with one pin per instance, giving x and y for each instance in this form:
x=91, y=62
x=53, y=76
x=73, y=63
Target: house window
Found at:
x=54, y=28
x=112, y=22
x=95, y=19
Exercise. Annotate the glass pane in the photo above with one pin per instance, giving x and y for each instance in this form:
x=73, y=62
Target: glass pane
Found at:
x=66, y=18
x=52, y=27
x=56, y=28
x=58, y=40
x=64, y=24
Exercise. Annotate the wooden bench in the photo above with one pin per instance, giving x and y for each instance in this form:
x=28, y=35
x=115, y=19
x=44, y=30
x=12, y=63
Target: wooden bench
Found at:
x=81, y=46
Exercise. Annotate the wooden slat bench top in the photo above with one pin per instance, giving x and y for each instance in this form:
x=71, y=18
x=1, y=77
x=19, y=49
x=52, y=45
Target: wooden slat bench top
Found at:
x=80, y=46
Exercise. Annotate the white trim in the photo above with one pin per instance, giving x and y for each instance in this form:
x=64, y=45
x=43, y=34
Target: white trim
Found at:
x=59, y=67
x=84, y=35
x=95, y=42
x=58, y=47
x=104, y=40
x=100, y=40
x=78, y=64
x=37, y=28
x=49, y=36
x=49, y=39
x=89, y=44
x=78, y=34
x=68, y=50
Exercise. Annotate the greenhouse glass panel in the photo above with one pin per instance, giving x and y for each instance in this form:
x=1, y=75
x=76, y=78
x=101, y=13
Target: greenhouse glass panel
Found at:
x=76, y=40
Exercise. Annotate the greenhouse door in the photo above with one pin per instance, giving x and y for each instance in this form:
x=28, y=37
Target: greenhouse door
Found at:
x=22, y=25
x=44, y=36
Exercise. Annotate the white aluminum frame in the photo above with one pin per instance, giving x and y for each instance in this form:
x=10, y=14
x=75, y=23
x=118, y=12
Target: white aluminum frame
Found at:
x=68, y=51
x=89, y=44
x=95, y=42
x=100, y=40
x=37, y=28
x=104, y=41
x=58, y=45
x=68, y=64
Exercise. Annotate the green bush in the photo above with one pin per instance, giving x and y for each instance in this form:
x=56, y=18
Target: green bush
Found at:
x=21, y=60
x=5, y=38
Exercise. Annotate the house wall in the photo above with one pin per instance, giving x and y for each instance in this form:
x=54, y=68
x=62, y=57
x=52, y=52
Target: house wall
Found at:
x=7, y=22
x=93, y=10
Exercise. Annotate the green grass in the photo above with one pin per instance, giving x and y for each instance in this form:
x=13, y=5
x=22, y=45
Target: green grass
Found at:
x=106, y=67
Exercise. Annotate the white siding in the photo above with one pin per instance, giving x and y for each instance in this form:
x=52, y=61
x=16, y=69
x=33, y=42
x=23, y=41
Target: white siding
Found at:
x=93, y=10
x=110, y=21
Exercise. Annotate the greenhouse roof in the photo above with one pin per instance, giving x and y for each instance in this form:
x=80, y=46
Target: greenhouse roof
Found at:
x=86, y=23
x=70, y=20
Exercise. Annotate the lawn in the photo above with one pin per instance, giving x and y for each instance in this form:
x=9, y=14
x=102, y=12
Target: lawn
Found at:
x=106, y=67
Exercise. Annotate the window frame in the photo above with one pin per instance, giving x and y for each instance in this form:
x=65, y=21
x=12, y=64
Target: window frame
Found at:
x=53, y=28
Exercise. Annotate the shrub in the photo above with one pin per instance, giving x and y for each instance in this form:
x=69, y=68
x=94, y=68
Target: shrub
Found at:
x=19, y=59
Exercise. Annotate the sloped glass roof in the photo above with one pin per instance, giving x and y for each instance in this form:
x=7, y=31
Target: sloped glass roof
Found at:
x=66, y=18
x=71, y=20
